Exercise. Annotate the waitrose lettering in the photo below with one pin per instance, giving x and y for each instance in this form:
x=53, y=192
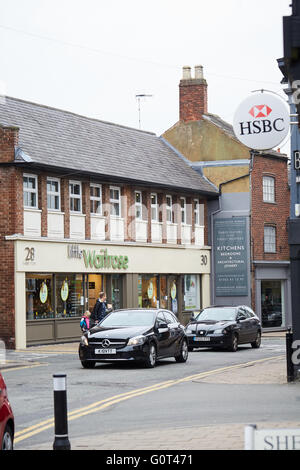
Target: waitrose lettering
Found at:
x=103, y=260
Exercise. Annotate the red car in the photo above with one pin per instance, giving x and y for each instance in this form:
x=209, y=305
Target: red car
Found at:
x=7, y=424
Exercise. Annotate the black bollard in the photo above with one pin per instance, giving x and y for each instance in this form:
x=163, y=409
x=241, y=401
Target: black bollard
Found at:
x=61, y=440
x=289, y=353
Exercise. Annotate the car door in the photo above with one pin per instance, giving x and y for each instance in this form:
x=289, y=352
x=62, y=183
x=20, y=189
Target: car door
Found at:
x=162, y=334
x=243, y=325
x=254, y=324
x=174, y=330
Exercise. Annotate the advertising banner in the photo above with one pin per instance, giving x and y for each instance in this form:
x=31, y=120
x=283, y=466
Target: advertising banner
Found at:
x=230, y=257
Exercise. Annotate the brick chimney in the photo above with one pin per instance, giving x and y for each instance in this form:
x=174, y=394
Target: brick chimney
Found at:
x=9, y=136
x=192, y=95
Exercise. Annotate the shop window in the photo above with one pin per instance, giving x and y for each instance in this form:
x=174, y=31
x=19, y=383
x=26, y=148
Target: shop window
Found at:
x=53, y=194
x=163, y=297
x=96, y=199
x=272, y=304
x=69, y=295
x=147, y=290
x=30, y=188
x=39, y=291
x=191, y=292
x=75, y=196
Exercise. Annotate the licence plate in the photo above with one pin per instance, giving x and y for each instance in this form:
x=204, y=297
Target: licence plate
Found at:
x=205, y=338
x=105, y=351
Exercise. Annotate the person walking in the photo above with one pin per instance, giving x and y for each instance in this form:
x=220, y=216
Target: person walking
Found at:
x=100, y=309
x=85, y=321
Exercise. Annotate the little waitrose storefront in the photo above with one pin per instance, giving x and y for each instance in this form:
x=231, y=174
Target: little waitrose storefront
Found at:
x=56, y=282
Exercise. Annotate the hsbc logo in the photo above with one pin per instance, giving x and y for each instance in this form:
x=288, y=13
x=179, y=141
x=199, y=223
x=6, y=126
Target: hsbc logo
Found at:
x=262, y=121
x=261, y=110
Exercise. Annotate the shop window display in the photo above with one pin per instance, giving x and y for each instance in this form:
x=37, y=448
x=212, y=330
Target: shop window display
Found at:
x=39, y=303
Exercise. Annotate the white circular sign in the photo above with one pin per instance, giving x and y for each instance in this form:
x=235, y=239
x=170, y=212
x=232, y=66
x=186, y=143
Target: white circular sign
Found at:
x=262, y=121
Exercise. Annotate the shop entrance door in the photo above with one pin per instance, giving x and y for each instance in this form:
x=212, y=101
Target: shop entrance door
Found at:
x=272, y=304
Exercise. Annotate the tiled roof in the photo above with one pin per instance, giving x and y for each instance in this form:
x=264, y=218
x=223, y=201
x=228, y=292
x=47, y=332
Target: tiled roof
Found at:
x=61, y=139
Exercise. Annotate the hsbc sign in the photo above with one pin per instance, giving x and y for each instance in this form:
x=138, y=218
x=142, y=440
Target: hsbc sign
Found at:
x=262, y=121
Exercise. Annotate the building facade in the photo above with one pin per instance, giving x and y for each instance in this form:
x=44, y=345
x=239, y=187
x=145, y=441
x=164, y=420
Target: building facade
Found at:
x=248, y=224
x=88, y=206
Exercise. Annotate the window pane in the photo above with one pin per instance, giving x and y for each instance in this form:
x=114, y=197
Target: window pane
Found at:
x=268, y=189
x=138, y=198
x=270, y=240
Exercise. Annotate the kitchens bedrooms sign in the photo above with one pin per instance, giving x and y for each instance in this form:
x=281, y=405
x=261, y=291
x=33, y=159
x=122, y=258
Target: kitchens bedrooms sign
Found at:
x=262, y=121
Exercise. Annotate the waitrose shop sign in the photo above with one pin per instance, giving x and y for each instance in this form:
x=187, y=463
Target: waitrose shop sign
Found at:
x=102, y=260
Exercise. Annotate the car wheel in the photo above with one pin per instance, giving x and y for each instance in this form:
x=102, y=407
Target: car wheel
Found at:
x=151, y=357
x=184, y=352
x=7, y=441
x=88, y=364
x=234, y=343
x=256, y=344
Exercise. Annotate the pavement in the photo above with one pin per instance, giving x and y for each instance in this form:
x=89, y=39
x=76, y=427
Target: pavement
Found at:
x=213, y=437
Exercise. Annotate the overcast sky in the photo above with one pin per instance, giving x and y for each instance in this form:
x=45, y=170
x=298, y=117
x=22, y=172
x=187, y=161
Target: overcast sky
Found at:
x=92, y=57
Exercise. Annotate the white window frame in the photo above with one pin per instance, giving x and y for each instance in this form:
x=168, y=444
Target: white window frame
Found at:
x=268, y=188
x=138, y=205
x=73, y=196
x=54, y=193
x=31, y=191
x=114, y=201
x=96, y=198
x=183, y=210
x=196, y=209
x=154, y=208
x=269, y=239
x=169, y=209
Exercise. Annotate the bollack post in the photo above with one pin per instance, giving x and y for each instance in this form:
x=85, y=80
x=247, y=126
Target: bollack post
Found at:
x=61, y=440
x=289, y=353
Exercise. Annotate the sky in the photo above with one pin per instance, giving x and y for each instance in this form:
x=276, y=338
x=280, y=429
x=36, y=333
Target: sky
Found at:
x=93, y=57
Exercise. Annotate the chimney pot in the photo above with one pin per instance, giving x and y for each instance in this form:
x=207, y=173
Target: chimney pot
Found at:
x=198, y=71
x=186, y=73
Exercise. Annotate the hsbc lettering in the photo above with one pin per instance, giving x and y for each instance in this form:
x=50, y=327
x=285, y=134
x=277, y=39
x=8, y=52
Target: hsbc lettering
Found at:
x=261, y=126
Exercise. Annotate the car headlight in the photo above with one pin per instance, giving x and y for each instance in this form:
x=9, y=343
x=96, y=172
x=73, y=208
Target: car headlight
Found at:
x=136, y=340
x=219, y=331
x=84, y=341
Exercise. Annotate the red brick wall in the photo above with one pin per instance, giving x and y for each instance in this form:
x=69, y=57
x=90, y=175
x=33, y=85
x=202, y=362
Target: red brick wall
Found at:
x=192, y=99
x=11, y=222
x=265, y=213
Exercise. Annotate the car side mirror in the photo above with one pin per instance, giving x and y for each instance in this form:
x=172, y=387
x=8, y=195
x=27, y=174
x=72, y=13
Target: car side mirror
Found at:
x=241, y=317
x=162, y=327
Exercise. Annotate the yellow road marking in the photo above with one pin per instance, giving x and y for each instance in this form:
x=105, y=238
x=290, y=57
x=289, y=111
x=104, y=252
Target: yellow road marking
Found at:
x=35, y=364
x=107, y=402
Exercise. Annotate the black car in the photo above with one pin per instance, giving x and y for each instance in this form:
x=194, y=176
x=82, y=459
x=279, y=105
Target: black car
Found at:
x=143, y=335
x=224, y=327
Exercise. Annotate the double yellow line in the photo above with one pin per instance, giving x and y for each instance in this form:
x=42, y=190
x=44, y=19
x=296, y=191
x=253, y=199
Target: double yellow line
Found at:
x=107, y=402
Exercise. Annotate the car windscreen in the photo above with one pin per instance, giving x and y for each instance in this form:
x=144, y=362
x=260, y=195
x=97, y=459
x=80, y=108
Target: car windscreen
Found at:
x=218, y=313
x=129, y=318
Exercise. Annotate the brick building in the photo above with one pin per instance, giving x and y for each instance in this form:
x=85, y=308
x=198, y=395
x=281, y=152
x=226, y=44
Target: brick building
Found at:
x=248, y=225
x=87, y=206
